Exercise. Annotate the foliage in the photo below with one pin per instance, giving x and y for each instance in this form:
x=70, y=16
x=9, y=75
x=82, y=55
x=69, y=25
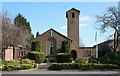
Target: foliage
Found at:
x=88, y=66
x=25, y=61
x=11, y=62
x=64, y=57
x=36, y=46
x=21, y=21
x=109, y=20
x=66, y=46
x=37, y=56
x=13, y=35
x=13, y=67
x=46, y=60
x=37, y=34
x=26, y=66
x=93, y=59
x=79, y=60
x=17, y=65
x=109, y=58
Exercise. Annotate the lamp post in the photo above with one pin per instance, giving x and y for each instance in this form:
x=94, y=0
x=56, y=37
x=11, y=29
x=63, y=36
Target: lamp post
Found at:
x=96, y=43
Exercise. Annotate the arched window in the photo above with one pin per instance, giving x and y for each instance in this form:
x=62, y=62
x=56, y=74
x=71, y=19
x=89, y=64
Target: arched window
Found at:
x=51, y=48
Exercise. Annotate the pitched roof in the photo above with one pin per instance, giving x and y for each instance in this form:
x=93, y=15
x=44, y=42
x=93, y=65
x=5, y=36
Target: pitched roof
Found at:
x=73, y=9
x=108, y=41
x=56, y=32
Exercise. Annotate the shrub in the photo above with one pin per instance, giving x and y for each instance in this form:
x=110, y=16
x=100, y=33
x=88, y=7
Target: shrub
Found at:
x=63, y=57
x=37, y=56
x=88, y=66
x=36, y=46
x=8, y=68
x=26, y=61
x=26, y=66
x=46, y=60
x=13, y=67
x=11, y=62
x=66, y=46
x=109, y=58
x=79, y=60
x=93, y=59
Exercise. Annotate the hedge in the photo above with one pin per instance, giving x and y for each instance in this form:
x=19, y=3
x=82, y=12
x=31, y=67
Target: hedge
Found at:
x=37, y=56
x=13, y=67
x=88, y=66
x=11, y=62
x=64, y=58
x=79, y=60
x=27, y=61
x=36, y=46
x=66, y=46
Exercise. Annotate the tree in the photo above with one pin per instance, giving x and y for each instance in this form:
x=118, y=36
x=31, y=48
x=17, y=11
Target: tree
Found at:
x=21, y=21
x=109, y=19
x=37, y=34
x=13, y=35
x=66, y=46
x=36, y=46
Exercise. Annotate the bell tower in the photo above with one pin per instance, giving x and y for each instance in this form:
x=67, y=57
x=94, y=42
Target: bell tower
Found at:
x=72, y=16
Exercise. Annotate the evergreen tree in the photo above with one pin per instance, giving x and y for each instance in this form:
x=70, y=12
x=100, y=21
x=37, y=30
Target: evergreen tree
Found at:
x=21, y=21
x=37, y=34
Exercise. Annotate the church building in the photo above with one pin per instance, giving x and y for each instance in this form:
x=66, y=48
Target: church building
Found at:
x=52, y=40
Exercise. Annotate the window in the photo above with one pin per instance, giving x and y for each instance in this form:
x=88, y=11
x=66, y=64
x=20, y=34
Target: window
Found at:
x=90, y=52
x=87, y=52
x=73, y=15
x=24, y=53
x=21, y=53
x=84, y=52
x=51, y=48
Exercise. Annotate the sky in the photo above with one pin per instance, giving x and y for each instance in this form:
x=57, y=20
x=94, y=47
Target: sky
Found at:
x=45, y=15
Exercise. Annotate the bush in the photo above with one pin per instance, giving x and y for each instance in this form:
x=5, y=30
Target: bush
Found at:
x=36, y=46
x=63, y=57
x=13, y=67
x=46, y=60
x=66, y=46
x=93, y=59
x=9, y=68
x=88, y=66
x=37, y=56
x=109, y=58
x=11, y=62
x=26, y=66
x=26, y=61
x=79, y=60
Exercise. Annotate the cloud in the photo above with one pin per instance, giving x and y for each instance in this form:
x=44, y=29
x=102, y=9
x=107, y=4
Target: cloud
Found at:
x=85, y=18
x=64, y=27
x=82, y=25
